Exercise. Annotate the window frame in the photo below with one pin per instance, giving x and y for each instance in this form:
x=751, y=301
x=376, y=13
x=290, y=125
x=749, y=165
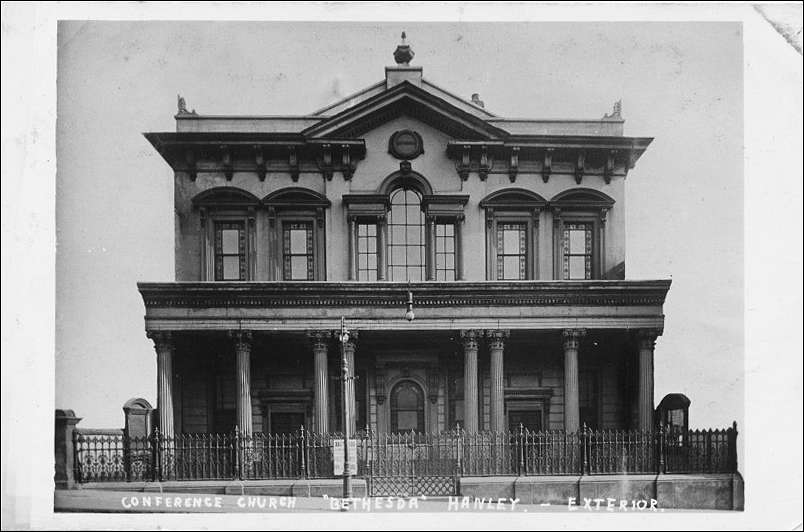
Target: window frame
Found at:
x=312, y=255
x=592, y=219
x=581, y=205
x=245, y=254
x=493, y=221
x=513, y=205
x=300, y=205
x=421, y=412
x=424, y=243
x=210, y=218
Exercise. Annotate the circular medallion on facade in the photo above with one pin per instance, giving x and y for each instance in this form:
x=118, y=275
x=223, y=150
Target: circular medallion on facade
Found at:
x=405, y=144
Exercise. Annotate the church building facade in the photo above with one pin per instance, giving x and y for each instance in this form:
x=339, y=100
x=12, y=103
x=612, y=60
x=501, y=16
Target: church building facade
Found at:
x=476, y=261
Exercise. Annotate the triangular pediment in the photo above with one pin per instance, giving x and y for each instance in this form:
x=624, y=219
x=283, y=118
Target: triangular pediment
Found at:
x=408, y=100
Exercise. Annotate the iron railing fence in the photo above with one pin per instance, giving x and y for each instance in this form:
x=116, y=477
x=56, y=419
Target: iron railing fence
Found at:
x=110, y=455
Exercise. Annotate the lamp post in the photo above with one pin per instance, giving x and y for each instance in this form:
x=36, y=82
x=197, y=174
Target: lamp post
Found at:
x=347, y=473
x=345, y=377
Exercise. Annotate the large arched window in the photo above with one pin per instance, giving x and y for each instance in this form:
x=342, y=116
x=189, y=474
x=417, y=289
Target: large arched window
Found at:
x=407, y=407
x=406, y=243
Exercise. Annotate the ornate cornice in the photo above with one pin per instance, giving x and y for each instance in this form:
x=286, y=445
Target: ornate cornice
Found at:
x=387, y=294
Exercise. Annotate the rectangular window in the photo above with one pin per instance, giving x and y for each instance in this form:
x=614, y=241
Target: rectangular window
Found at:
x=230, y=251
x=366, y=252
x=297, y=251
x=445, y=251
x=512, y=251
x=577, y=251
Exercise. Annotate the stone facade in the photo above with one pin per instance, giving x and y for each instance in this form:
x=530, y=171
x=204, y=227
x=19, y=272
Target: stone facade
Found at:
x=507, y=235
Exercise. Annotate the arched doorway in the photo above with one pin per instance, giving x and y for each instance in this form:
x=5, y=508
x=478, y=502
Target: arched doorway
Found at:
x=407, y=407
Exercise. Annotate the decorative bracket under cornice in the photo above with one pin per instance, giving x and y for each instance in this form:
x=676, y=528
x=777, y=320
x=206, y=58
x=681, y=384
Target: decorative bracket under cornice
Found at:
x=547, y=166
x=483, y=170
x=463, y=165
x=326, y=161
x=608, y=169
x=192, y=171
x=579, y=167
x=259, y=159
x=513, y=167
x=293, y=162
x=348, y=168
x=226, y=162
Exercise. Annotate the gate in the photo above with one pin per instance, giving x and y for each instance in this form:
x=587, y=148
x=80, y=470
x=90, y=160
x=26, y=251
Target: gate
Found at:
x=413, y=464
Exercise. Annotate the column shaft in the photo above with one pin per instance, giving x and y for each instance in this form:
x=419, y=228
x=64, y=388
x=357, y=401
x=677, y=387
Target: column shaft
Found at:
x=497, y=406
x=470, y=380
x=243, y=380
x=572, y=340
x=647, y=339
x=320, y=384
x=163, y=344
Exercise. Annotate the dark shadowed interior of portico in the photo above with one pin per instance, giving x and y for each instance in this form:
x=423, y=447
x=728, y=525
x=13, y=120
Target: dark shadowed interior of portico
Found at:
x=404, y=380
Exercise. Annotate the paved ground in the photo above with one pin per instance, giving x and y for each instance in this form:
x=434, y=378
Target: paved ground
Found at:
x=104, y=501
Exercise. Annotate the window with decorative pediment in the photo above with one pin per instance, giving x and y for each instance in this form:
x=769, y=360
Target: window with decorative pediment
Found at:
x=404, y=232
x=228, y=234
x=296, y=234
x=579, y=223
x=512, y=234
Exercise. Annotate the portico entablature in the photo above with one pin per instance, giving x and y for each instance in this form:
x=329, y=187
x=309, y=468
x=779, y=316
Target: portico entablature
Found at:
x=537, y=305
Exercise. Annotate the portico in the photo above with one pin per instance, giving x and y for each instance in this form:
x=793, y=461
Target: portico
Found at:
x=469, y=358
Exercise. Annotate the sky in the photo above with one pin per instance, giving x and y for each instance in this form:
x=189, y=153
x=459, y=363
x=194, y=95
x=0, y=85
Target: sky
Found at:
x=680, y=83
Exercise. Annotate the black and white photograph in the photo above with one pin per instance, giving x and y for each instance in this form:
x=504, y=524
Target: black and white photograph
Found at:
x=347, y=267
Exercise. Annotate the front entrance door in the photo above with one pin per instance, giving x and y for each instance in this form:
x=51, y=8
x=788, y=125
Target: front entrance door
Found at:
x=528, y=419
x=286, y=422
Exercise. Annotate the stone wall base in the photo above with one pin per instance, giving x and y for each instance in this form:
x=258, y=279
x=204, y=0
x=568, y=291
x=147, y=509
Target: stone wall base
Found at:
x=709, y=492
x=706, y=492
x=296, y=488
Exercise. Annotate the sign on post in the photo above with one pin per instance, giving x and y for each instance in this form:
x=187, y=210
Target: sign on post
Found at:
x=337, y=456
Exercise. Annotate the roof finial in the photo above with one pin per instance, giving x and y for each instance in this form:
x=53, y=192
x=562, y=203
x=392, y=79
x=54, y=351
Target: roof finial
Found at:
x=403, y=54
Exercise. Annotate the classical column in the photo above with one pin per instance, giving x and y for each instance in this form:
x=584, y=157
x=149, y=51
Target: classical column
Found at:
x=349, y=350
x=470, y=338
x=242, y=346
x=320, y=343
x=572, y=339
x=496, y=341
x=646, y=340
x=163, y=344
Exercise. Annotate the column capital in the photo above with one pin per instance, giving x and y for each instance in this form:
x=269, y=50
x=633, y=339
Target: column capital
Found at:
x=351, y=343
x=646, y=338
x=161, y=339
x=572, y=337
x=496, y=338
x=319, y=339
x=242, y=339
x=470, y=337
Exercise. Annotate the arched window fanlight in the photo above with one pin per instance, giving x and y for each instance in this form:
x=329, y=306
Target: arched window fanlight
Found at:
x=407, y=407
x=406, y=242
